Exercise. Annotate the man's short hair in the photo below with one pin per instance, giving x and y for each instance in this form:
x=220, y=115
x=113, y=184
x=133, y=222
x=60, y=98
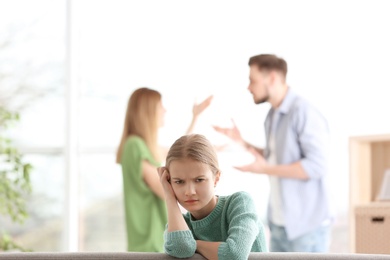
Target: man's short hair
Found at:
x=269, y=62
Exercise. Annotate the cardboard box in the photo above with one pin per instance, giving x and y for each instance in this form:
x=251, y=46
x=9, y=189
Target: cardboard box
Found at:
x=372, y=226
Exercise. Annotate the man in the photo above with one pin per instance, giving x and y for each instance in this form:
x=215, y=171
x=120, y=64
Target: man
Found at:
x=295, y=158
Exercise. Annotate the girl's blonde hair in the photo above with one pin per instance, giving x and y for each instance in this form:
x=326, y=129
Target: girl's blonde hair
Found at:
x=141, y=120
x=195, y=147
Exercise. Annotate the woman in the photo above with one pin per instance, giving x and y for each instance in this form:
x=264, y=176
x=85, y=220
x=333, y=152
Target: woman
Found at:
x=139, y=156
x=217, y=227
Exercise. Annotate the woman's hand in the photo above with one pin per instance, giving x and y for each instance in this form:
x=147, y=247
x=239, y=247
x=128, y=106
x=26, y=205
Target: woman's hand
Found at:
x=197, y=109
x=165, y=180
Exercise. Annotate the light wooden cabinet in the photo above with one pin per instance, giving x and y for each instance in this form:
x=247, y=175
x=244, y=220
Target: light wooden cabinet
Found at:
x=369, y=158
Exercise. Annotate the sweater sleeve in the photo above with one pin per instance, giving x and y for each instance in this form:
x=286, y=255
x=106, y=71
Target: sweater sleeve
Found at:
x=180, y=244
x=243, y=228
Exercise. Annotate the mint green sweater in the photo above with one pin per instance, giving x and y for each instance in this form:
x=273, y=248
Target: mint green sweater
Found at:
x=233, y=221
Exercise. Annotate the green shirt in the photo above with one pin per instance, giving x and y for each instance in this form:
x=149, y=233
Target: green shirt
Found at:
x=233, y=222
x=145, y=212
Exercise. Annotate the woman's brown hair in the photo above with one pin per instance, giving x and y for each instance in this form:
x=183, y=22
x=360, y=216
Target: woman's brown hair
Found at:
x=141, y=120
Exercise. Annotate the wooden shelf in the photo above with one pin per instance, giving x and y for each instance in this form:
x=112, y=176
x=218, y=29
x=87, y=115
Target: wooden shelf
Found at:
x=369, y=158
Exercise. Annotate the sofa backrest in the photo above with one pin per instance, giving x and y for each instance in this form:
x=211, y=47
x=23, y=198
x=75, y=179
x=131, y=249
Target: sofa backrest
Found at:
x=160, y=256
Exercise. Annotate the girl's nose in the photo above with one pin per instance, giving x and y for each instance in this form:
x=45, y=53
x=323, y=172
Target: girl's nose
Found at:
x=190, y=190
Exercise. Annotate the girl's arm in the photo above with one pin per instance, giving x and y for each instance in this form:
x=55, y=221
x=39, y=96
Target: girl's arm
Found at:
x=176, y=221
x=207, y=249
x=178, y=239
x=243, y=231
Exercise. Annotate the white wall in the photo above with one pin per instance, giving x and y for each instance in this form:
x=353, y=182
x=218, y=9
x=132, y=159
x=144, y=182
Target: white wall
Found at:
x=337, y=51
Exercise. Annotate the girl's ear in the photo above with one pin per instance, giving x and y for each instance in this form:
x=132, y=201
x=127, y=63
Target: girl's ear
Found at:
x=160, y=170
x=216, y=178
x=168, y=176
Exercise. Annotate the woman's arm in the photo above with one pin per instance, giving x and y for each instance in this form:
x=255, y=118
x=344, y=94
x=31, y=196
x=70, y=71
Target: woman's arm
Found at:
x=196, y=111
x=163, y=151
x=152, y=179
x=179, y=241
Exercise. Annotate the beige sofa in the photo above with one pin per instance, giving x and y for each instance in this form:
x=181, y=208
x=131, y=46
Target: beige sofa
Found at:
x=159, y=256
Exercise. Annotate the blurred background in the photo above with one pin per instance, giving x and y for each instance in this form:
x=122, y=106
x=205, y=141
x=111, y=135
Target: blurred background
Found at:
x=69, y=67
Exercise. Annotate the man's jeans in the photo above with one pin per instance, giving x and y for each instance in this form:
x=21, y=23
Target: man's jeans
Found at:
x=315, y=241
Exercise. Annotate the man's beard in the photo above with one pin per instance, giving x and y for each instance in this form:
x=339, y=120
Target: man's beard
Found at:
x=265, y=98
x=262, y=100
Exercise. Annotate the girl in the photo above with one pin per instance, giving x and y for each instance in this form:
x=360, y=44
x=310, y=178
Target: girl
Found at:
x=224, y=227
x=139, y=156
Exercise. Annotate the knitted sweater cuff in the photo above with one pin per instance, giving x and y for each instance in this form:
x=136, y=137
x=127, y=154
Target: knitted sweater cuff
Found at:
x=180, y=244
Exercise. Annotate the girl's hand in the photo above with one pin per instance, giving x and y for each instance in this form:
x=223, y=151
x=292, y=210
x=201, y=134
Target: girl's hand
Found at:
x=165, y=180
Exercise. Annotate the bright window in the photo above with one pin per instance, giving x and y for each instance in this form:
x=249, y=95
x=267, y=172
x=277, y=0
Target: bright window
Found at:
x=337, y=54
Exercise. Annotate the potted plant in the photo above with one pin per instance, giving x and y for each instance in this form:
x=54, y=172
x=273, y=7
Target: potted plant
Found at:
x=14, y=181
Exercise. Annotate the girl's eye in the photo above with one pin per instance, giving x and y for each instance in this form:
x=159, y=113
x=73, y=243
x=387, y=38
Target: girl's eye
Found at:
x=200, y=180
x=178, y=182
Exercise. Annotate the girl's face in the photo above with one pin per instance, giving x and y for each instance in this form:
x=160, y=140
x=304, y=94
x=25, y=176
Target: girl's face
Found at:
x=193, y=184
